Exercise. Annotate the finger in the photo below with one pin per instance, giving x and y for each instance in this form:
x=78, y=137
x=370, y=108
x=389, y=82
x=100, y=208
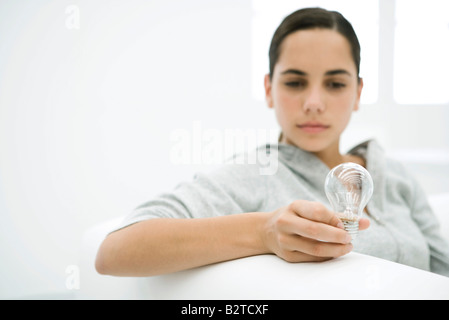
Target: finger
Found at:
x=364, y=224
x=317, y=248
x=320, y=231
x=297, y=256
x=293, y=224
x=315, y=211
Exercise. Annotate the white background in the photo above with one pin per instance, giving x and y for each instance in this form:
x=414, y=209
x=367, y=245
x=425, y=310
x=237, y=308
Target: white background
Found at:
x=91, y=92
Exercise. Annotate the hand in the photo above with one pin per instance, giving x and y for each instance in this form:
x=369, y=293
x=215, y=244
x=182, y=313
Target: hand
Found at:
x=307, y=231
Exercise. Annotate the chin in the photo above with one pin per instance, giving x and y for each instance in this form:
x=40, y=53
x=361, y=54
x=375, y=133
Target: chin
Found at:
x=310, y=145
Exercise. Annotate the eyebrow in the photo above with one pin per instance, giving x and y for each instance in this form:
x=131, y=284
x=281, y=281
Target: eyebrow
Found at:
x=328, y=73
x=295, y=71
x=337, y=71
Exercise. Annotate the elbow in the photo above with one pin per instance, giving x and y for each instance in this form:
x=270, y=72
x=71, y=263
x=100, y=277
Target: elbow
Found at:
x=119, y=255
x=101, y=264
x=113, y=258
x=104, y=263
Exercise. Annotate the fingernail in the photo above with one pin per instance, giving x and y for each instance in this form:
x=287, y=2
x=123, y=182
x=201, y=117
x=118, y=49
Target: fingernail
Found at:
x=340, y=225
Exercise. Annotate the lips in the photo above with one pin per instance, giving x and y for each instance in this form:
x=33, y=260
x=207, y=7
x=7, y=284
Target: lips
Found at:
x=313, y=127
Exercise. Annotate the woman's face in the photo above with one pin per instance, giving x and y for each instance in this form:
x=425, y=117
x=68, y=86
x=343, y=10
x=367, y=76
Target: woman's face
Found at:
x=314, y=88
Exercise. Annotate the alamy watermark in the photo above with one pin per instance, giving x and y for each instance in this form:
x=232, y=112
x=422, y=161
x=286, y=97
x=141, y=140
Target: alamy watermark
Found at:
x=72, y=20
x=72, y=281
x=208, y=146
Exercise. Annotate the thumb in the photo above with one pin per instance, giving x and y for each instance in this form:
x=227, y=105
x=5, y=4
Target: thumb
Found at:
x=364, y=224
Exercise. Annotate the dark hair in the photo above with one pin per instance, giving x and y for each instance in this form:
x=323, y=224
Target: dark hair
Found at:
x=310, y=18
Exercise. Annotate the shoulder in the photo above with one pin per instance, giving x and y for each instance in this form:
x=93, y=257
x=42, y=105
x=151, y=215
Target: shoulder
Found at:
x=398, y=179
x=377, y=158
x=382, y=166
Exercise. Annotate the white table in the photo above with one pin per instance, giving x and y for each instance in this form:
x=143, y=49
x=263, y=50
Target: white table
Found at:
x=354, y=276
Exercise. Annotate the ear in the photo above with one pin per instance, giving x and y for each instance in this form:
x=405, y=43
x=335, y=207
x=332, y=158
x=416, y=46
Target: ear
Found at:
x=359, y=94
x=268, y=96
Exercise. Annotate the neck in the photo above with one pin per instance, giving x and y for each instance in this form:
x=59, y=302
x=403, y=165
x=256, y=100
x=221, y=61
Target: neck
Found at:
x=331, y=156
x=334, y=158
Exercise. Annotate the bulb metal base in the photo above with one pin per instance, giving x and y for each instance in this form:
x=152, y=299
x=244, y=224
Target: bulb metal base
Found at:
x=351, y=226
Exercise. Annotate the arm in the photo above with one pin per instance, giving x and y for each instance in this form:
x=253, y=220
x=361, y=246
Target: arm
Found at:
x=303, y=231
x=167, y=245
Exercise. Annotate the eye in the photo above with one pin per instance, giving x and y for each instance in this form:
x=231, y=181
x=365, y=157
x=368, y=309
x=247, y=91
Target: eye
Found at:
x=295, y=84
x=335, y=85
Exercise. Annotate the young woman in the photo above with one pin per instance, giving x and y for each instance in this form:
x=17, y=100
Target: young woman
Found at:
x=313, y=86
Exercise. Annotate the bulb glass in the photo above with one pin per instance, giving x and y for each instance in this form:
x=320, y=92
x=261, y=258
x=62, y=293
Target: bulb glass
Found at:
x=349, y=187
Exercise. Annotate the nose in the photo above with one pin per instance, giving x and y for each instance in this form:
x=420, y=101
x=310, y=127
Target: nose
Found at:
x=314, y=101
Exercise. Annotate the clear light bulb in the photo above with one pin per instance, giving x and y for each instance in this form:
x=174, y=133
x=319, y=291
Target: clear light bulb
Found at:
x=349, y=187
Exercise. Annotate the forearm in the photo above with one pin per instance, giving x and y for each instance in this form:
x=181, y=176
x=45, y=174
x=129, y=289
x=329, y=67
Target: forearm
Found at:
x=160, y=246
